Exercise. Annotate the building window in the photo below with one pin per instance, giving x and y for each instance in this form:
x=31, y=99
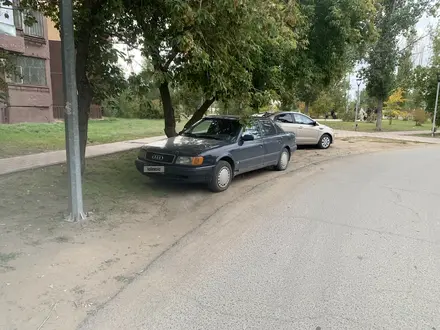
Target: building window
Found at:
x=30, y=71
x=18, y=17
x=36, y=29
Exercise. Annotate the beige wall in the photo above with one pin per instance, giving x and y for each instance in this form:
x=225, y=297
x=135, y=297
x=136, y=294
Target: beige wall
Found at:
x=52, y=32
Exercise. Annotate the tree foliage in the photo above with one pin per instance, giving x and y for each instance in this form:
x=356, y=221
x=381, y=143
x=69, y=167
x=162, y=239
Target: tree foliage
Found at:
x=405, y=68
x=393, y=17
x=394, y=104
x=334, y=98
x=338, y=32
x=97, y=24
x=426, y=78
x=213, y=47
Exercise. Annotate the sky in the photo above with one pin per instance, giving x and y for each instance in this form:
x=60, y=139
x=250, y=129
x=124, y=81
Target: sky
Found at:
x=136, y=63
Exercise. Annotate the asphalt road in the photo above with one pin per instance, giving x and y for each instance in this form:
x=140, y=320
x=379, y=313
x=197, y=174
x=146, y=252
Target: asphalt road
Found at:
x=350, y=244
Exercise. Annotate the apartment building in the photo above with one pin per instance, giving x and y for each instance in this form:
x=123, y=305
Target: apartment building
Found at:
x=56, y=75
x=56, y=70
x=29, y=91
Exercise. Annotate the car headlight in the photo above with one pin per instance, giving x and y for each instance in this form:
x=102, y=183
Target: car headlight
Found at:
x=194, y=161
x=142, y=154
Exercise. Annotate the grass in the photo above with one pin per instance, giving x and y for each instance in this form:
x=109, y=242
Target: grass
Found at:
x=110, y=183
x=20, y=139
x=396, y=126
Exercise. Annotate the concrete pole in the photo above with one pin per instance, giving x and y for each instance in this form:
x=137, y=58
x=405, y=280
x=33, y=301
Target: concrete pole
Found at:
x=347, y=95
x=71, y=122
x=436, y=105
x=357, y=105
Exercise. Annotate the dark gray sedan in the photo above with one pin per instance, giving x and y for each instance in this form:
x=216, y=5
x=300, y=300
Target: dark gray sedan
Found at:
x=216, y=149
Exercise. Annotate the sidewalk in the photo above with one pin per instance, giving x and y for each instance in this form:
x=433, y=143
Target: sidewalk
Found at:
x=22, y=163
x=402, y=136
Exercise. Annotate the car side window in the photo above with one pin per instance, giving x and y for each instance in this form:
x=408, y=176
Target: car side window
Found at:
x=284, y=118
x=253, y=129
x=268, y=129
x=301, y=119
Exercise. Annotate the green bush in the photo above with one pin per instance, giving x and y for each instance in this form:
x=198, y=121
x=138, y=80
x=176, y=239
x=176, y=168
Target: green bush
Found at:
x=130, y=105
x=419, y=117
x=150, y=109
x=347, y=116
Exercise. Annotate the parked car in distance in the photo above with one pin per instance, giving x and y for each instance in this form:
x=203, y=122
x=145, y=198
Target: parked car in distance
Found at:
x=306, y=130
x=216, y=149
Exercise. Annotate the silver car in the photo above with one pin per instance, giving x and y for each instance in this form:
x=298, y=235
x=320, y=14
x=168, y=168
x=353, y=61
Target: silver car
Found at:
x=307, y=130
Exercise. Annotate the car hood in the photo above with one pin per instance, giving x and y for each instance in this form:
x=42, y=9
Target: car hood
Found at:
x=183, y=145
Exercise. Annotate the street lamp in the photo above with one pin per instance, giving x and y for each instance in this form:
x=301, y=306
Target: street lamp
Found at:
x=358, y=101
x=436, y=105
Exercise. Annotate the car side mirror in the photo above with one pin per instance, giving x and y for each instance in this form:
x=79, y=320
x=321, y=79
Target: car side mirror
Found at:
x=247, y=137
x=315, y=123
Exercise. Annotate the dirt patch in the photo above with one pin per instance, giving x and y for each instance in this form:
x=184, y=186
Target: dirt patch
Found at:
x=54, y=272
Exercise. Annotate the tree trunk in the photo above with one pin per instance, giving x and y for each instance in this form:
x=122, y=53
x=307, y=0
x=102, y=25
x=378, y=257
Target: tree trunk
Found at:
x=379, y=115
x=200, y=112
x=84, y=102
x=168, y=110
x=306, y=108
x=85, y=95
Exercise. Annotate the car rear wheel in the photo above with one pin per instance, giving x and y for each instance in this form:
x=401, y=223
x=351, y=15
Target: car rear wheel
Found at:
x=283, y=161
x=325, y=141
x=222, y=177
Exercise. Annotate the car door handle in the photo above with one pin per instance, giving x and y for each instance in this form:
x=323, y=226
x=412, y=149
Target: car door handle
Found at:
x=300, y=127
x=261, y=146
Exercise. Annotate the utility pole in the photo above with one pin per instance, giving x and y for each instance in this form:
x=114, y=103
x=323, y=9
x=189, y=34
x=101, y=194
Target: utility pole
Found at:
x=71, y=122
x=347, y=94
x=436, y=105
x=358, y=102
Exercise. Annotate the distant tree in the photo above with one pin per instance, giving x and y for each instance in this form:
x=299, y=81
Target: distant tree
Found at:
x=332, y=99
x=338, y=33
x=392, y=19
x=367, y=101
x=419, y=116
x=425, y=78
x=394, y=104
x=405, y=73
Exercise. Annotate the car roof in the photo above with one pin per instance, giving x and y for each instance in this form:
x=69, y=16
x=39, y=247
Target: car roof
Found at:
x=283, y=112
x=233, y=117
x=230, y=117
x=271, y=114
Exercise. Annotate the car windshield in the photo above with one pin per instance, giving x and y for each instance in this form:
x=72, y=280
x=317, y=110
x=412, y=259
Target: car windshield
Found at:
x=215, y=128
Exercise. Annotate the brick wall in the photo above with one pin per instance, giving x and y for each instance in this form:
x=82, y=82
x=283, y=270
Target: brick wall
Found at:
x=28, y=103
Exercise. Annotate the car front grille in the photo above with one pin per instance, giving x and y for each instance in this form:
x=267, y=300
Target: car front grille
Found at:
x=159, y=157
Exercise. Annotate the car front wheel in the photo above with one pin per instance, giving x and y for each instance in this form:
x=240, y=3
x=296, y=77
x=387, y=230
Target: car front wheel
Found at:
x=325, y=141
x=222, y=177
